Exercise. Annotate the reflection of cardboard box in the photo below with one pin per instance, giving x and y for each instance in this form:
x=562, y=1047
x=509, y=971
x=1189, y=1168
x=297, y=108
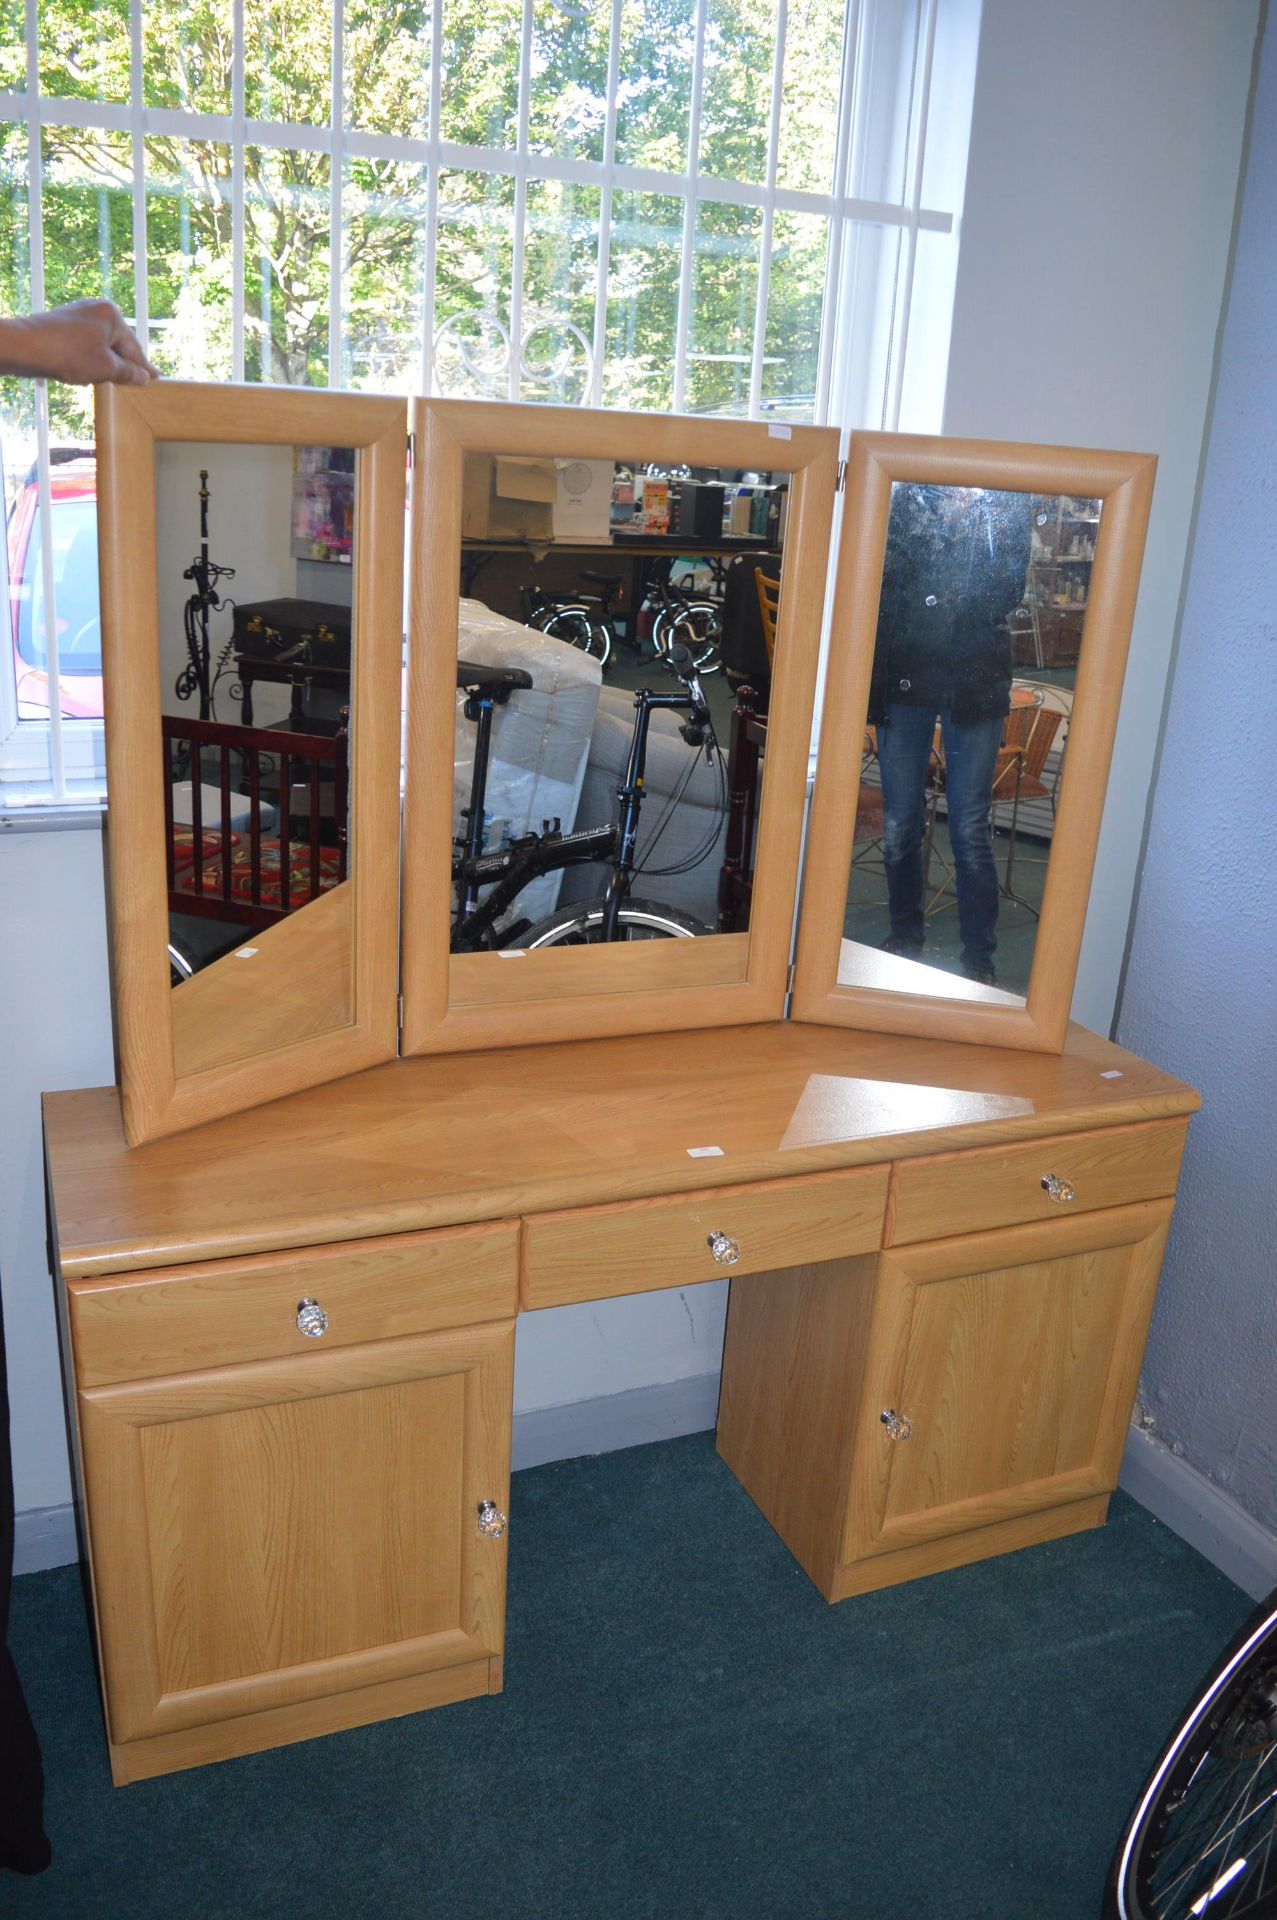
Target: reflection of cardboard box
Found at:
x=507, y=498
x=583, y=500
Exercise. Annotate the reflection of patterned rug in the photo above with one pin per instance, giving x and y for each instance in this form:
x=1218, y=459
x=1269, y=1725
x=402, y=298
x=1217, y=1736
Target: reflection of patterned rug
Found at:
x=271, y=892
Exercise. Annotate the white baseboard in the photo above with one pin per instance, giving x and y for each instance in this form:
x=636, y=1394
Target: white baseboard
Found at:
x=1195, y=1508
x=44, y=1537
x=616, y=1420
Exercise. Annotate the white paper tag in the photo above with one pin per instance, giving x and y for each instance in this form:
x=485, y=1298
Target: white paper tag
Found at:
x=1114, y=1073
x=512, y=953
x=704, y=1153
x=780, y=433
x=245, y=953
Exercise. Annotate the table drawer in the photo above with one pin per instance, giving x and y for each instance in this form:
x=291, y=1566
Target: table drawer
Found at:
x=180, y=1319
x=944, y=1194
x=591, y=1253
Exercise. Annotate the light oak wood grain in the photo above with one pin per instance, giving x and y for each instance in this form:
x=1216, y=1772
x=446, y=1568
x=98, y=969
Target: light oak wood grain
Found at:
x=1015, y=1355
x=425, y=1143
x=1124, y=484
x=284, y=1531
x=133, y=1327
x=592, y=1253
x=1002, y=1186
x=180, y=1066
x=484, y=1001
x=964, y=1549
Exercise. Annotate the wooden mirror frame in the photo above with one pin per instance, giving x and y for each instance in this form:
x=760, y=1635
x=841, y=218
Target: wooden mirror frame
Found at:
x=472, y=1001
x=1124, y=483
x=348, y=933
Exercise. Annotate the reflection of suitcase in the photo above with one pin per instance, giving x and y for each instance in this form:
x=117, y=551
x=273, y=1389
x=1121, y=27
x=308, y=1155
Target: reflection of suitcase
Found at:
x=310, y=632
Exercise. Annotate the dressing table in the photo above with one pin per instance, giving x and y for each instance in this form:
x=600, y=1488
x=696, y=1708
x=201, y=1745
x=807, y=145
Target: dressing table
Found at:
x=288, y=1298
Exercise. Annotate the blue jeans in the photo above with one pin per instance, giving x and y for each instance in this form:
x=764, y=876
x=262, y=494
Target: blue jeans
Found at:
x=970, y=755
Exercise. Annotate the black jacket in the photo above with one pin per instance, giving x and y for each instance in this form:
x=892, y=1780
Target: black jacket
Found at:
x=954, y=569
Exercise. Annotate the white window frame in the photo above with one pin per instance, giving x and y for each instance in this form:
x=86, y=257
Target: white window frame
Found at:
x=863, y=364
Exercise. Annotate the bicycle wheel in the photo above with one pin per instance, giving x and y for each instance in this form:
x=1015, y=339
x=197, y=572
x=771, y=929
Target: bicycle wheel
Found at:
x=696, y=625
x=581, y=924
x=1202, y=1840
x=575, y=625
x=180, y=964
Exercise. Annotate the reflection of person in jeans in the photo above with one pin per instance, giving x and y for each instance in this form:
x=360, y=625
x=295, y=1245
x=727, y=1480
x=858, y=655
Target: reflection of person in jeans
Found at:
x=955, y=567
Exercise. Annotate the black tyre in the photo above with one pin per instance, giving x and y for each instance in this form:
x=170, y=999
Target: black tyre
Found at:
x=1202, y=1841
x=575, y=625
x=581, y=924
x=696, y=625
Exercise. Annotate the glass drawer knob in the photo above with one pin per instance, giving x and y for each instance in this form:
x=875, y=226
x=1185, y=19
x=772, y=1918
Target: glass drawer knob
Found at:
x=311, y=1319
x=1058, y=1190
x=899, y=1426
x=492, y=1522
x=725, y=1250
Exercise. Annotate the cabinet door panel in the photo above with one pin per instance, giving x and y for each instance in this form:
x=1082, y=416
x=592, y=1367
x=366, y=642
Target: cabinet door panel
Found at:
x=272, y=1533
x=1014, y=1356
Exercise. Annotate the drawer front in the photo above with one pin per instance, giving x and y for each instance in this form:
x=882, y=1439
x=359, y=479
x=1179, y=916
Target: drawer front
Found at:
x=592, y=1253
x=136, y=1327
x=944, y=1194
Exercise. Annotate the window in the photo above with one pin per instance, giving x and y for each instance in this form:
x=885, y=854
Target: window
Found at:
x=719, y=206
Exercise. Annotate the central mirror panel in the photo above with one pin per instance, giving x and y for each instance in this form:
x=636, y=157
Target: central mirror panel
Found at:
x=632, y=625
x=978, y=643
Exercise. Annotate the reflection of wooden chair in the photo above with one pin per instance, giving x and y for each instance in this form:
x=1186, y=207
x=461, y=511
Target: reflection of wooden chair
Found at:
x=1027, y=739
x=868, y=828
x=747, y=742
x=768, y=604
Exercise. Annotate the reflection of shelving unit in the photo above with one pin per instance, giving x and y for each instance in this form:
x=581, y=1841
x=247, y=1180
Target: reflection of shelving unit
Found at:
x=1058, y=585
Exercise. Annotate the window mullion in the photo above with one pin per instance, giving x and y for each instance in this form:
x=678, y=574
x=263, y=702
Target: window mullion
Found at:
x=520, y=205
x=137, y=118
x=237, y=191
x=769, y=213
x=432, y=201
x=35, y=183
x=683, y=322
x=336, y=190
x=900, y=343
x=831, y=330
x=595, y=391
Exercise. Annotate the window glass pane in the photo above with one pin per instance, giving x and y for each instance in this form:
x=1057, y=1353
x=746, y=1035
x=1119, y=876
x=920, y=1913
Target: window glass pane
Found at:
x=560, y=268
x=188, y=247
x=642, y=300
x=736, y=95
x=13, y=46
x=88, y=243
x=384, y=212
x=286, y=256
x=654, y=93
x=880, y=142
x=809, y=95
x=473, y=265
x=186, y=55
x=567, y=102
x=724, y=298
x=386, y=66
x=795, y=299
x=84, y=49
x=288, y=54
x=479, y=101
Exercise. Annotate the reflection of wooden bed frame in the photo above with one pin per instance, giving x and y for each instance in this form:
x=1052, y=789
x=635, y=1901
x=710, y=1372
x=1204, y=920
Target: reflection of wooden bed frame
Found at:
x=267, y=876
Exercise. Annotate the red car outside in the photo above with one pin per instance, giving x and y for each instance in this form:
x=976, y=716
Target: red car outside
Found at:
x=74, y=539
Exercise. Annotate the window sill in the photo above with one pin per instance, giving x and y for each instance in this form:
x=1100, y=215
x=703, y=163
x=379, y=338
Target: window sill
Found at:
x=30, y=810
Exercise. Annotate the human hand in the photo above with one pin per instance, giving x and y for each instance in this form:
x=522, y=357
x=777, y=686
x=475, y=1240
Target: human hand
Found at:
x=82, y=343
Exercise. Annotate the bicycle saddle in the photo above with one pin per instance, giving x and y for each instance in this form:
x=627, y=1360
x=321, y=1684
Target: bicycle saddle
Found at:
x=501, y=681
x=601, y=579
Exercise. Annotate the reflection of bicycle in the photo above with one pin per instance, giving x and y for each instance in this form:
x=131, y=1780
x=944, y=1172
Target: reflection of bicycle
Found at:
x=1202, y=1840
x=487, y=882
x=584, y=622
x=681, y=621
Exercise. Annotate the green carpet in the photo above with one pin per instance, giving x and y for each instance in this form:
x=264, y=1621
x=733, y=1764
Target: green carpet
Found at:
x=688, y=1733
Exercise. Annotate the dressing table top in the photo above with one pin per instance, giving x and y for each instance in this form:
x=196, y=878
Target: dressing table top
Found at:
x=462, y=1137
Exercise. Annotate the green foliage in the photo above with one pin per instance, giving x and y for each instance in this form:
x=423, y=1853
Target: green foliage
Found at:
x=87, y=204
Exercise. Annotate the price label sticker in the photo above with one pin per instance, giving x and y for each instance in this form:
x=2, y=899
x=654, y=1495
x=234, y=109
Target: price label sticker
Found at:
x=1114, y=1073
x=704, y=1153
x=245, y=953
x=780, y=433
x=512, y=953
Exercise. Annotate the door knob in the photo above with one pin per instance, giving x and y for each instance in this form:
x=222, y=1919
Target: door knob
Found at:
x=725, y=1250
x=311, y=1319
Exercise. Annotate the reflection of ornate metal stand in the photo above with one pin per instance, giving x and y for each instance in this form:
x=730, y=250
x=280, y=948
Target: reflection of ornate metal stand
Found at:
x=197, y=673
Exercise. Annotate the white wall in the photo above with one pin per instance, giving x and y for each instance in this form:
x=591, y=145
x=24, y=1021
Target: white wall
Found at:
x=1201, y=989
x=1101, y=188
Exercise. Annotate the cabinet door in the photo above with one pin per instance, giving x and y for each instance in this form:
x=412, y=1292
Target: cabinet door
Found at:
x=1013, y=1358
x=273, y=1533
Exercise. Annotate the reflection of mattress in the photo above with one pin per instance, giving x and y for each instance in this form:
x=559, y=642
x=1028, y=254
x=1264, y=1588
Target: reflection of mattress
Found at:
x=540, y=738
x=271, y=892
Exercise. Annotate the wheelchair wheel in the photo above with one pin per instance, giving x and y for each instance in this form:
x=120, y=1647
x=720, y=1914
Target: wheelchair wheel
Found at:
x=1202, y=1841
x=582, y=925
x=696, y=625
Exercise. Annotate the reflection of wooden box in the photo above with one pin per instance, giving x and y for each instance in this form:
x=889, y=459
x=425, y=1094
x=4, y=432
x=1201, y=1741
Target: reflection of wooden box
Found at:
x=504, y=498
x=1061, y=630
